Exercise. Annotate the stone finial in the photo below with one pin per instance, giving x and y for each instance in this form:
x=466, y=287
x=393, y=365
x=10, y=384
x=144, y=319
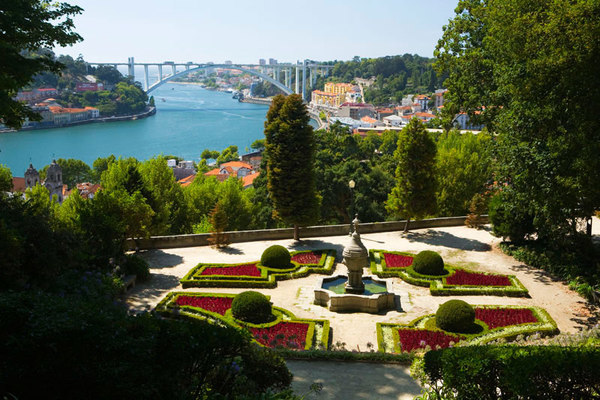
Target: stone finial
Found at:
x=355, y=222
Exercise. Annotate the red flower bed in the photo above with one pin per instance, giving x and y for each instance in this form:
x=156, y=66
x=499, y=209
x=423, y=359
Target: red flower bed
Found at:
x=291, y=335
x=498, y=317
x=411, y=339
x=307, y=258
x=236, y=270
x=397, y=260
x=461, y=277
x=209, y=303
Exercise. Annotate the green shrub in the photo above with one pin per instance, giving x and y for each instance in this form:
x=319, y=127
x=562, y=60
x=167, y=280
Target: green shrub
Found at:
x=428, y=262
x=136, y=265
x=508, y=220
x=251, y=306
x=455, y=316
x=515, y=372
x=276, y=257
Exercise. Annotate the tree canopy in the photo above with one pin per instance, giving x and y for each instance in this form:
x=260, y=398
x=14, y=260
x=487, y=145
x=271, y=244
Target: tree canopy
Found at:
x=524, y=68
x=290, y=150
x=26, y=26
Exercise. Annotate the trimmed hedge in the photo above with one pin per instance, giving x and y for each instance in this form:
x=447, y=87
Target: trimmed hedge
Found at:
x=428, y=262
x=268, y=277
x=437, y=284
x=317, y=336
x=276, y=256
x=388, y=339
x=524, y=372
x=252, y=307
x=456, y=316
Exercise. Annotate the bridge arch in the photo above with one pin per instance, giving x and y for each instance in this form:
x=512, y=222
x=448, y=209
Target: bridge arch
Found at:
x=267, y=78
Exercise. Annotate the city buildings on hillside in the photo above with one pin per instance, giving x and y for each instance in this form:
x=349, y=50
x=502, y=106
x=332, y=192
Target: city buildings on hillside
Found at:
x=238, y=169
x=335, y=94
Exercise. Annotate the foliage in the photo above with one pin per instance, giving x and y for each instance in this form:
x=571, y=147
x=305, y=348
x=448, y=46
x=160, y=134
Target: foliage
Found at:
x=477, y=208
x=290, y=156
x=100, y=165
x=27, y=26
x=6, y=183
x=136, y=265
x=487, y=372
x=510, y=219
x=523, y=69
x=463, y=169
x=228, y=154
x=276, y=256
x=258, y=144
x=414, y=193
x=428, y=262
x=250, y=306
x=219, y=221
x=183, y=360
x=73, y=171
x=455, y=316
x=124, y=99
x=395, y=76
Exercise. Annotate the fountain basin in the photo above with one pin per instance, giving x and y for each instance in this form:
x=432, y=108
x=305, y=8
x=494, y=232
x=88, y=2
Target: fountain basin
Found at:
x=377, y=296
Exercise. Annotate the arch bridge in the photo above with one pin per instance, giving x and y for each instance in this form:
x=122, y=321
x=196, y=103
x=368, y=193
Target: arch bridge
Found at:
x=278, y=74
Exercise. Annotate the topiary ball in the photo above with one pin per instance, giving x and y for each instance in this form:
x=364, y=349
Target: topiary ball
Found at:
x=428, y=262
x=252, y=307
x=276, y=257
x=455, y=316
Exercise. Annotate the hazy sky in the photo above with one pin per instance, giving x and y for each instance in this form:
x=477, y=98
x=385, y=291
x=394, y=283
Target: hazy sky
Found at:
x=244, y=31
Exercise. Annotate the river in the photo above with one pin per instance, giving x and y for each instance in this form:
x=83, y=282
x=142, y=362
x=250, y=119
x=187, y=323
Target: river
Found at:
x=189, y=120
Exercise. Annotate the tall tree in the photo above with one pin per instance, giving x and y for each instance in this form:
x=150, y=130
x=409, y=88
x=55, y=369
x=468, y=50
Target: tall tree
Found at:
x=5, y=179
x=526, y=65
x=26, y=26
x=414, y=193
x=290, y=152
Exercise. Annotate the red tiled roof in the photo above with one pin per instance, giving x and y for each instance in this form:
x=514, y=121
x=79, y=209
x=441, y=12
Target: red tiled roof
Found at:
x=213, y=172
x=249, y=179
x=236, y=165
x=368, y=119
x=18, y=184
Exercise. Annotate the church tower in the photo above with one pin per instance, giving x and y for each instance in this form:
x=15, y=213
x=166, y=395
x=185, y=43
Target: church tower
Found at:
x=32, y=177
x=53, y=181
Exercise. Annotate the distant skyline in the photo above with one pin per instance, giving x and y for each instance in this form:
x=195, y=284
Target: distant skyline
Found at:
x=244, y=32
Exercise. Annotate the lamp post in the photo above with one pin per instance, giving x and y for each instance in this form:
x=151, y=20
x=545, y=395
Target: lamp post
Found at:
x=351, y=185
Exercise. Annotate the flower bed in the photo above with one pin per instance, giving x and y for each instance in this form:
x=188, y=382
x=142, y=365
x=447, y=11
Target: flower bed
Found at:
x=414, y=339
x=456, y=281
x=219, y=304
x=395, y=260
x=255, y=275
x=501, y=317
x=291, y=335
x=307, y=257
x=286, y=331
x=233, y=270
x=498, y=322
x=467, y=278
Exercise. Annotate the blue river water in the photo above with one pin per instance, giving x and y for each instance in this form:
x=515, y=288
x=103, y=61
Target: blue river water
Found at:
x=189, y=120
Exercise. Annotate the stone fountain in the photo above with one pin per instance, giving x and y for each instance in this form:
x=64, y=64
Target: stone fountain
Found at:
x=355, y=292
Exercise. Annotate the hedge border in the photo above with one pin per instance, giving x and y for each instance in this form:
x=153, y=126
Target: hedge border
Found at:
x=545, y=326
x=167, y=308
x=437, y=284
x=269, y=281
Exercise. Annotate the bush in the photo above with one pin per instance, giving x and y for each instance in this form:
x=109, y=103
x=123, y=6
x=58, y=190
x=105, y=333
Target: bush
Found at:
x=252, y=307
x=136, y=265
x=428, y=262
x=508, y=220
x=515, y=372
x=455, y=316
x=276, y=257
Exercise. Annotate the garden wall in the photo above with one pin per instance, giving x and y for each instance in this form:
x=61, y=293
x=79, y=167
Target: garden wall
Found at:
x=167, y=242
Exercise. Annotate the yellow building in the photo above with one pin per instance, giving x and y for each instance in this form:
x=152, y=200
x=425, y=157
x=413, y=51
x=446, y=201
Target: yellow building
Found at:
x=338, y=88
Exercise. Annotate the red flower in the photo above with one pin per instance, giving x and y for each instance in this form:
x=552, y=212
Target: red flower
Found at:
x=307, y=258
x=209, y=303
x=411, y=339
x=462, y=277
x=235, y=270
x=498, y=317
x=291, y=335
x=397, y=260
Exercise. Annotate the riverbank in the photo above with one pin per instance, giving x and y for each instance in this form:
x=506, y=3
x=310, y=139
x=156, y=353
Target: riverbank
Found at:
x=147, y=113
x=254, y=100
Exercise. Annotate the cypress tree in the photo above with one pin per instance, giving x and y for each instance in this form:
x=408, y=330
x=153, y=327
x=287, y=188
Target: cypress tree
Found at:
x=290, y=153
x=414, y=193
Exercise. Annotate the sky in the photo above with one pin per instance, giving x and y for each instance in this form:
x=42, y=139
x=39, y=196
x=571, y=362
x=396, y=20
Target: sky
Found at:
x=245, y=31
